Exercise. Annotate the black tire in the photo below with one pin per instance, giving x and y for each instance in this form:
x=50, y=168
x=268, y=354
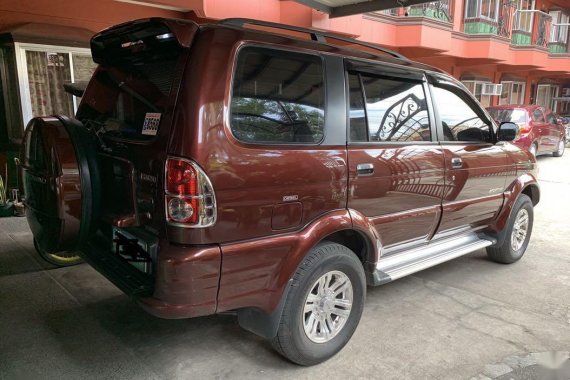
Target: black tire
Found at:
x=291, y=340
x=60, y=259
x=505, y=253
x=561, y=149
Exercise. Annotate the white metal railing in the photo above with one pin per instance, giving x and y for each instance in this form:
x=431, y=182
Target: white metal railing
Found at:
x=559, y=33
x=524, y=19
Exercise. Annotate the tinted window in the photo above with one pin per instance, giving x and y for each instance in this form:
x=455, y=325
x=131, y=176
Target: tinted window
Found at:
x=395, y=110
x=512, y=115
x=551, y=119
x=278, y=97
x=459, y=120
x=537, y=115
x=357, y=114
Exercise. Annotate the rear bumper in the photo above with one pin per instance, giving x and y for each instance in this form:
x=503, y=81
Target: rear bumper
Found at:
x=186, y=283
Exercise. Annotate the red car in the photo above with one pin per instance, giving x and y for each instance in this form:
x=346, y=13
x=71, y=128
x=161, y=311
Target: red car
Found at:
x=220, y=168
x=539, y=133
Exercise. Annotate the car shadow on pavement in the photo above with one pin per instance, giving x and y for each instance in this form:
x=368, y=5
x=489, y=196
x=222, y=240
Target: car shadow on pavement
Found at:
x=166, y=347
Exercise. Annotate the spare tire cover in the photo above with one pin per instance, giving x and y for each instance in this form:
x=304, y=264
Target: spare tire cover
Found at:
x=60, y=177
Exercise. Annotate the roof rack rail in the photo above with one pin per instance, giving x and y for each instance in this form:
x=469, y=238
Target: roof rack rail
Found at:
x=316, y=35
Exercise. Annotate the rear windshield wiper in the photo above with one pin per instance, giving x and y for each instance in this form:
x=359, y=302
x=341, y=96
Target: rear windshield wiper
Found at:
x=125, y=87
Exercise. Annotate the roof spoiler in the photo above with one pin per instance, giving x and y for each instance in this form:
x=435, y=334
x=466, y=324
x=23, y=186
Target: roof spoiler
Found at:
x=141, y=36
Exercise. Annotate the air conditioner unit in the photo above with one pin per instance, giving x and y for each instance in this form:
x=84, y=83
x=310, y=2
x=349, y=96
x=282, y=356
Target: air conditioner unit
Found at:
x=566, y=91
x=492, y=89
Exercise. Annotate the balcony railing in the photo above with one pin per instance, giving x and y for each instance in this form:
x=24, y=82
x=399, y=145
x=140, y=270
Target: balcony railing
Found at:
x=531, y=27
x=559, y=39
x=501, y=26
x=437, y=10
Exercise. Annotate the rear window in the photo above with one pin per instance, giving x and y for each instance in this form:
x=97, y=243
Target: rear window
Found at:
x=508, y=115
x=130, y=98
x=278, y=97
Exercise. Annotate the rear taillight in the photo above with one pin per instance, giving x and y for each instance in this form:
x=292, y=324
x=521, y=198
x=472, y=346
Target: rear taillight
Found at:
x=524, y=128
x=188, y=195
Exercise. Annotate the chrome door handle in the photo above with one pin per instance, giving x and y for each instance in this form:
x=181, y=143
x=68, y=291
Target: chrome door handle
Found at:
x=456, y=163
x=364, y=169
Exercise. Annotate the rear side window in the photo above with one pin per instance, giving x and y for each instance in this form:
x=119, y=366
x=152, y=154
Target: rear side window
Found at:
x=387, y=110
x=551, y=118
x=278, y=97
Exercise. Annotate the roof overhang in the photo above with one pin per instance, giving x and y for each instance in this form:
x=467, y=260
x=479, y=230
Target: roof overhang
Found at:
x=339, y=8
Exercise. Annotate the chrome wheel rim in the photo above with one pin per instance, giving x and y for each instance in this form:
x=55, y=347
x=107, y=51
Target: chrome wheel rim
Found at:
x=520, y=229
x=327, y=306
x=561, y=147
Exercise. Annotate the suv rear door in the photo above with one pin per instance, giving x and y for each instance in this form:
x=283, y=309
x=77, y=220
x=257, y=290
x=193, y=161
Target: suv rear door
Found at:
x=395, y=164
x=475, y=168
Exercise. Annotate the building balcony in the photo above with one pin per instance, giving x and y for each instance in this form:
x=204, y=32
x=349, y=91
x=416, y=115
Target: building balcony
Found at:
x=531, y=28
x=436, y=10
x=559, y=39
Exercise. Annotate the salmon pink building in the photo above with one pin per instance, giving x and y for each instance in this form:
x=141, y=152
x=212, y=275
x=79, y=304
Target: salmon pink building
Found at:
x=504, y=51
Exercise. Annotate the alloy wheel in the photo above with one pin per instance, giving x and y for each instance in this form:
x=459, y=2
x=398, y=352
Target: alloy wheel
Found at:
x=520, y=229
x=327, y=306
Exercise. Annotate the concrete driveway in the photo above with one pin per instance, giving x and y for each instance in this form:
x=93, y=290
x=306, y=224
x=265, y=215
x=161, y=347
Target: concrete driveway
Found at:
x=469, y=318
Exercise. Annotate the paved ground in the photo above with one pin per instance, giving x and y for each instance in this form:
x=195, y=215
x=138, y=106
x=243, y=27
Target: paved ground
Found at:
x=468, y=318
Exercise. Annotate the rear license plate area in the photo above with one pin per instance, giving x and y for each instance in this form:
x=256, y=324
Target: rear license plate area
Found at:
x=138, y=250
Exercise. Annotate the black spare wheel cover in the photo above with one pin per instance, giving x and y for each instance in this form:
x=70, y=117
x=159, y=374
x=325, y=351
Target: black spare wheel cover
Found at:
x=60, y=178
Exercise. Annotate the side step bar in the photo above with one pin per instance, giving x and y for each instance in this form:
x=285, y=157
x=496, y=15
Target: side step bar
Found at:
x=402, y=264
x=130, y=280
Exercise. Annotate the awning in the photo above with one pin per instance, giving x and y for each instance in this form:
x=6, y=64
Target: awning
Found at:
x=48, y=34
x=338, y=8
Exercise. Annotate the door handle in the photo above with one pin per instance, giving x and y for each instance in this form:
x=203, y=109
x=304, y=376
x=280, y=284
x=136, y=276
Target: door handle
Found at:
x=456, y=163
x=364, y=169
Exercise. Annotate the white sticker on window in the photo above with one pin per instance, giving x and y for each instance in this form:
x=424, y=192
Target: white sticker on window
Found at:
x=151, y=122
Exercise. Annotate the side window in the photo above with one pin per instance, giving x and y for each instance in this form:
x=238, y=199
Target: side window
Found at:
x=394, y=110
x=356, y=113
x=538, y=116
x=278, y=97
x=459, y=121
x=551, y=119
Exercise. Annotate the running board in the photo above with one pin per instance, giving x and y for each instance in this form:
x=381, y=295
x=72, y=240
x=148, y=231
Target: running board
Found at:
x=402, y=264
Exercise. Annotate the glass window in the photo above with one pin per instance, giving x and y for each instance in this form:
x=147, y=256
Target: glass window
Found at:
x=476, y=88
x=513, y=115
x=482, y=8
x=47, y=73
x=537, y=115
x=395, y=110
x=357, y=113
x=512, y=93
x=278, y=97
x=460, y=122
x=551, y=119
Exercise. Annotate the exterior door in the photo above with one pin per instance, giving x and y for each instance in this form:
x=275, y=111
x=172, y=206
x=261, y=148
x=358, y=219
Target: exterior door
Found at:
x=475, y=168
x=395, y=164
x=540, y=128
x=554, y=131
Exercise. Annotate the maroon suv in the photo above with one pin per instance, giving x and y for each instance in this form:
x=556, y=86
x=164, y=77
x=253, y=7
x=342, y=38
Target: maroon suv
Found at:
x=218, y=167
x=539, y=130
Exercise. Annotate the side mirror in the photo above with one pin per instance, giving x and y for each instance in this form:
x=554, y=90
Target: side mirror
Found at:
x=507, y=131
